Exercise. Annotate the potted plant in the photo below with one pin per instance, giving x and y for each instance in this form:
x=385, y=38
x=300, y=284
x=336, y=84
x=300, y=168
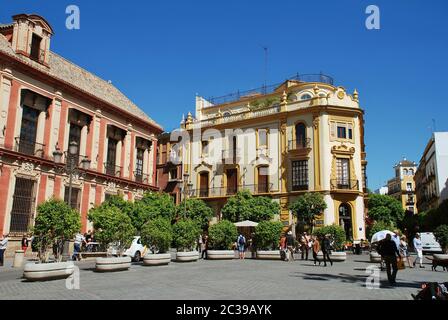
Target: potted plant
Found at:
x=337, y=237
x=221, y=238
x=55, y=223
x=157, y=235
x=112, y=227
x=185, y=236
x=267, y=237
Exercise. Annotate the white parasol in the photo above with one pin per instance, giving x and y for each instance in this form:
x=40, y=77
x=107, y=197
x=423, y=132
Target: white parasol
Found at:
x=381, y=235
x=246, y=223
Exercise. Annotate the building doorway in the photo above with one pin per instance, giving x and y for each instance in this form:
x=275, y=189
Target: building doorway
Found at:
x=345, y=220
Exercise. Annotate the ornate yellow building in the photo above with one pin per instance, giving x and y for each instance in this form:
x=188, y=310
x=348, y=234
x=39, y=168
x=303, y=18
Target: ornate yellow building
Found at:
x=402, y=187
x=303, y=135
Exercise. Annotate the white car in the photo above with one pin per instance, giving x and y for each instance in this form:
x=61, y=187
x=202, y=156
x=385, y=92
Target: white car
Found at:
x=430, y=243
x=137, y=250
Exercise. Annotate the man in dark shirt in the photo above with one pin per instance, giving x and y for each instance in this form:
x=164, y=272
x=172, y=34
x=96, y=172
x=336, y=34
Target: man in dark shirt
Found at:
x=290, y=244
x=390, y=253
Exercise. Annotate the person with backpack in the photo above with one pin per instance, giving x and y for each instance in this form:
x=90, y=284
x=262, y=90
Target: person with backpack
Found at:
x=290, y=244
x=241, y=243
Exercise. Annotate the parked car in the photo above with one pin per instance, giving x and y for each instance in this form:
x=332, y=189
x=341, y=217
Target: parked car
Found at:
x=136, y=251
x=430, y=244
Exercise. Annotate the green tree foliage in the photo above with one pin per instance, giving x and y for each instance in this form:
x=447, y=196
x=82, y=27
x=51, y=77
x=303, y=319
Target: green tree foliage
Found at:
x=222, y=235
x=441, y=234
x=112, y=226
x=186, y=233
x=196, y=210
x=385, y=208
x=243, y=206
x=378, y=226
x=307, y=207
x=337, y=234
x=55, y=222
x=267, y=234
x=157, y=234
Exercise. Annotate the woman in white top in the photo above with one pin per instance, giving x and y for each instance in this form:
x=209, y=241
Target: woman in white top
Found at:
x=419, y=249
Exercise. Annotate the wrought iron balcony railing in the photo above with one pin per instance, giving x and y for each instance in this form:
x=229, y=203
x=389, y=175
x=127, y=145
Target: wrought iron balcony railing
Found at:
x=344, y=184
x=299, y=144
x=229, y=190
x=112, y=170
x=141, y=177
x=30, y=148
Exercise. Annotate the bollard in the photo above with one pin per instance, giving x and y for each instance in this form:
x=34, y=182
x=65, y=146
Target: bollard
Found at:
x=18, y=259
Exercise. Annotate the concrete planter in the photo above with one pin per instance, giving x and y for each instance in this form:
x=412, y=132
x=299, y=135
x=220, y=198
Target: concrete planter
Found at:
x=220, y=254
x=375, y=257
x=334, y=256
x=268, y=254
x=113, y=264
x=440, y=256
x=159, y=259
x=187, y=256
x=47, y=271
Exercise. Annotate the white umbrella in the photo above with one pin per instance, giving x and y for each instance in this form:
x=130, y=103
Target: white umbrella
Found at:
x=246, y=223
x=381, y=235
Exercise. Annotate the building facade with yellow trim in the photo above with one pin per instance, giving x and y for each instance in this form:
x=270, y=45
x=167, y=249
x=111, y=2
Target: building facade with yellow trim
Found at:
x=303, y=135
x=402, y=186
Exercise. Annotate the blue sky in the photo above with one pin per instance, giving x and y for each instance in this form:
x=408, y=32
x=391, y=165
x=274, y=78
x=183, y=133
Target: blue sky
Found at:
x=160, y=54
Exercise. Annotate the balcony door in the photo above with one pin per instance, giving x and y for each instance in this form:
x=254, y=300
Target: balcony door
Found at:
x=28, y=131
x=343, y=173
x=232, y=181
x=139, y=165
x=300, y=136
x=203, y=184
x=262, y=186
x=111, y=157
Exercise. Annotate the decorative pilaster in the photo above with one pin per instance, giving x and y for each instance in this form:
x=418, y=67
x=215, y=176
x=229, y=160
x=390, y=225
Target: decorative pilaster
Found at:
x=316, y=152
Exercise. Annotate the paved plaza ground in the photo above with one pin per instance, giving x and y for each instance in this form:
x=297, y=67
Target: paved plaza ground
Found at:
x=224, y=280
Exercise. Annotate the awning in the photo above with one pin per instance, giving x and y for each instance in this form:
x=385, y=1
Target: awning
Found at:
x=246, y=223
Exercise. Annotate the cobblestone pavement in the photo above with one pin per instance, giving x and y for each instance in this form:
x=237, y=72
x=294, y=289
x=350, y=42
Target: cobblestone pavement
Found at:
x=224, y=280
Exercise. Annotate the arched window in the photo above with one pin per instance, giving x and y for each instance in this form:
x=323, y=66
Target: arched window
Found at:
x=300, y=136
x=305, y=96
x=405, y=172
x=226, y=114
x=345, y=220
x=411, y=172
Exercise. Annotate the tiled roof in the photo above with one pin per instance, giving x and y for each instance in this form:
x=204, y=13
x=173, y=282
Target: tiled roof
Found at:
x=82, y=79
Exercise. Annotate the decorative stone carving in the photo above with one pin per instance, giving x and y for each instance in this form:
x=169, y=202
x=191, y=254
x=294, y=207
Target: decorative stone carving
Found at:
x=111, y=187
x=27, y=169
x=343, y=149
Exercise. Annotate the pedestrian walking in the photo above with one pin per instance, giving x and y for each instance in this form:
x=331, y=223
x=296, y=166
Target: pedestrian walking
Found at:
x=390, y=253
x=79, y=240
x=304, y=248
x=290, y=246
x=418, y=247
x=241, y=243
x=316, y=249
x=3, y=247
x=204, y=247
x=200, y=243
x=25, y=243
x=404, y=251
x=326, y=249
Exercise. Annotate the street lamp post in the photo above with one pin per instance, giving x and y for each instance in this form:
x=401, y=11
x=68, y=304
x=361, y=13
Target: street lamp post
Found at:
x=71, y=168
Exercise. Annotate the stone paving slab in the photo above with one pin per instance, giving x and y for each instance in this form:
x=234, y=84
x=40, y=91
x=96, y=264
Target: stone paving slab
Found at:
x=224, y=280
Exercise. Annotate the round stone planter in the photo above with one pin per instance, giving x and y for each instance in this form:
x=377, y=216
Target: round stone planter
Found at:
x=47, y=271
x=437, y=256
x=375, y=257
x=187, y=256
x=220, y=254
x=334, y=256
x=112, y=264
x=268, y=254
x=159, y=259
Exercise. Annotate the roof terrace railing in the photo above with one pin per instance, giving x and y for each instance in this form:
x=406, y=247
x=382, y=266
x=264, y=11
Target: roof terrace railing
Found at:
x=322, y=78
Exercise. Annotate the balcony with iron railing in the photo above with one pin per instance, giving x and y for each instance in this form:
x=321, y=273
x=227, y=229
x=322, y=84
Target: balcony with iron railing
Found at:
x=299, y=144
x=141, y=177
x=30, y=148
x=344, y=184
x=112, y=169
x=229, y=190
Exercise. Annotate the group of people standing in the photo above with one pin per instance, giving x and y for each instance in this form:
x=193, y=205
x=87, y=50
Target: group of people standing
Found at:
x=307, y=243
x=394, y=249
